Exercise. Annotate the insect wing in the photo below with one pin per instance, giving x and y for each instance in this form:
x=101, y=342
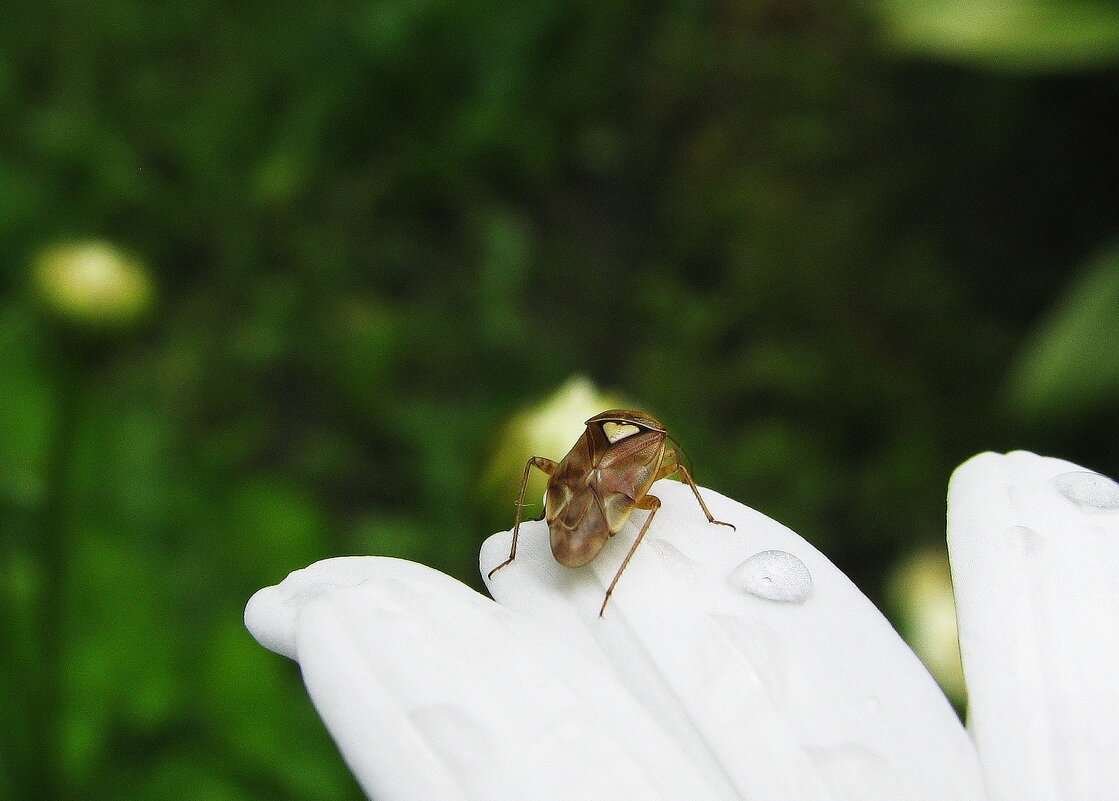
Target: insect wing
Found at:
x=629, y=465
x=578, y=545
x=576, y=522
x=571, y=476
x=617, y=507
x=578, y=530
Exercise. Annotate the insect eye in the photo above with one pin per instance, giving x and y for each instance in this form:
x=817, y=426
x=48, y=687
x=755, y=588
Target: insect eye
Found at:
x=617, y=431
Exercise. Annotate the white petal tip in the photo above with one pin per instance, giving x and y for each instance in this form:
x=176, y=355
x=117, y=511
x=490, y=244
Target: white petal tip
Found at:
x=272, y=614
x=270, y=622
x=1034, y=545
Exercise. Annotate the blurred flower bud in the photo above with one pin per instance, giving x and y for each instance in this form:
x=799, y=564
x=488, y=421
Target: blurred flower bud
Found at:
x=93, y=284
x=547, y=429
x=920, y=592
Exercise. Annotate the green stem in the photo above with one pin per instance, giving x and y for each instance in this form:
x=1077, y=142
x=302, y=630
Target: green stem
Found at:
x=45, y=777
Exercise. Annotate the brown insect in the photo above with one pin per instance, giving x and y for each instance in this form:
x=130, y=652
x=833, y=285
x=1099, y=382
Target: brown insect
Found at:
x=594, y=490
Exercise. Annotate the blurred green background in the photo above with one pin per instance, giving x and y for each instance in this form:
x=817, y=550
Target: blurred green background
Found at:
x=286, y=281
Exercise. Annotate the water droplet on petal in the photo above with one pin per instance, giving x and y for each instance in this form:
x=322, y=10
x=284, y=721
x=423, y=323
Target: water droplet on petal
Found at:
x=1022, y=541
x=1088, y=490
x=674, y=561
x=774, y=576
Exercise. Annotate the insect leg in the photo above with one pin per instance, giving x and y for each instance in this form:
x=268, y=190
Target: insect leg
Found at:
x=671, y=465
x=652, y=503
x=545, y=465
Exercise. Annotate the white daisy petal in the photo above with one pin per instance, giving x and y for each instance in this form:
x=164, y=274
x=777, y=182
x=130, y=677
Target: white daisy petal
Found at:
x=434, y=692
x=767, y=664
x=1034, y=544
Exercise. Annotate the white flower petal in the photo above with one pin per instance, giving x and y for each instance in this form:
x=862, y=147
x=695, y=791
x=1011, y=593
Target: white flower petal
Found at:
x=771, y=668
x=433, y=691
x=1034, y=544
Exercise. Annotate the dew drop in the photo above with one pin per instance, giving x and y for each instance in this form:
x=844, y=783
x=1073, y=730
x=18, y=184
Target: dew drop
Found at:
x=1021, y=540
x=1088, y=490
x=674, y=561
x=774, y=576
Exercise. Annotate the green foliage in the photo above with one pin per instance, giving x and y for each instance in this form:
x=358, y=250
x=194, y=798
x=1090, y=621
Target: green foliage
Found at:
x=378, y=231
x=1007, y=35
x=1070, y=370
x=27, y=409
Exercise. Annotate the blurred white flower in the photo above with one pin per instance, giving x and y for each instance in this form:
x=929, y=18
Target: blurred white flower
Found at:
x=729, y=664
x=93, y=283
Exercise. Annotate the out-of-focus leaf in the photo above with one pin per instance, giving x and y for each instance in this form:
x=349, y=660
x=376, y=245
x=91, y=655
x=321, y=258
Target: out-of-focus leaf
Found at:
x=20, y=590
x=121, y=646
x=274, y=526
x=1010, y=35
x=123, y=459
x=192, y=773
x=363, y=339
x=235, y=680
x=1071, y=366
